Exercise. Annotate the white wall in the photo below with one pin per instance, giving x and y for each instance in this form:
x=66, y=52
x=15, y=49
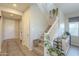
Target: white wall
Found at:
x=20, y=29
x=66, y=25
x=75, y=14
x=38, y=23
x=0, y=33
x=25, y=28
x=9, y=29
x=1, y=22
x=61, y=23
x=35, y=21
x=45, y=8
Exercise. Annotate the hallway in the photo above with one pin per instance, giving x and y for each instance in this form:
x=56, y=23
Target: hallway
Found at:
x=12, y=47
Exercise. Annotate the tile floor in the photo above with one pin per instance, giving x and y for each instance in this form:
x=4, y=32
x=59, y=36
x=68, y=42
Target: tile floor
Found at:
x=13, y=48
x=73, y=51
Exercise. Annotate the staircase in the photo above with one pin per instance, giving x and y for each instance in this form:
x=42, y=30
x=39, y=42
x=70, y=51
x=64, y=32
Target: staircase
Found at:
x=38, y=46
x=52, y=33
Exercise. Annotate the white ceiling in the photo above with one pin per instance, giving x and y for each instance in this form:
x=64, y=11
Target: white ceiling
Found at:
x=68, y=8
x=19, y=6
x=11, y=15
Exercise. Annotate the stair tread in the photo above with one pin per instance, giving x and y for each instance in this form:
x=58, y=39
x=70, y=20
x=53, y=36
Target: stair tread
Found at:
x=41, y=44
x=38, y=50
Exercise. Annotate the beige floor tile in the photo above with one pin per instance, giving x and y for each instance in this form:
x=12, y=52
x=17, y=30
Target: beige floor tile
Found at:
x=14, y=48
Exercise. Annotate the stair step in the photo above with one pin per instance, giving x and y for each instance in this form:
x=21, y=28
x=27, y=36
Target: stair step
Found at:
x=39, y=50
x=41, y=45
x=42, y=40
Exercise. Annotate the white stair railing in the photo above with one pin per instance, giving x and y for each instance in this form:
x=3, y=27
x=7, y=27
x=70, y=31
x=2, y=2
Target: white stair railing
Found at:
x=51, y=33
x=53, y=29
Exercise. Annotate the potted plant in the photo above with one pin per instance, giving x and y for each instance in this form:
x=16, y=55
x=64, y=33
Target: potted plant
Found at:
x=53, y=51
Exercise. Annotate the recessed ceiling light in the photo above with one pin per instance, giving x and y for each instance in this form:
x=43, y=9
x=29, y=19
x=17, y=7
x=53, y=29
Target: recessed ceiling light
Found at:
x=14, y=5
